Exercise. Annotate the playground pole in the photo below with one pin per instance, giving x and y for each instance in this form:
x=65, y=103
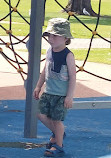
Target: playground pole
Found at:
x=36, y=22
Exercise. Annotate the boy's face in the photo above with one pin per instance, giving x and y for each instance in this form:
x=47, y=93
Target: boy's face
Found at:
x=57, y=42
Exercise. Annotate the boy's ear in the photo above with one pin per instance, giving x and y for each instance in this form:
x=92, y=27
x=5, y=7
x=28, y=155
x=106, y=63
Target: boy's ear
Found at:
x=67, y=41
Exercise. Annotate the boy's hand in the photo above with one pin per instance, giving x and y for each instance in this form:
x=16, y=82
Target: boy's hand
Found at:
x=36, y=93
x=68, y=102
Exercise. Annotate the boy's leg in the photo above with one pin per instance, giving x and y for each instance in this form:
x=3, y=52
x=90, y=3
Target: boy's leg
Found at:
x=43, y=111
x=59, y=132
x=48, y=123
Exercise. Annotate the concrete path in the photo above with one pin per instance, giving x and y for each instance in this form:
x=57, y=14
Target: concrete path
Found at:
x=83, y=43
x=75, y=43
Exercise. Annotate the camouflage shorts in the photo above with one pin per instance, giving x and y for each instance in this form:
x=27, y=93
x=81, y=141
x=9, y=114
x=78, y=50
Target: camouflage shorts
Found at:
x=52, y=106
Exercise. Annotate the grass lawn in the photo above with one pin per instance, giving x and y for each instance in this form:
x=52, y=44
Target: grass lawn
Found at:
x=95, y=55
x=77, y=29
x=98, y=55
x=53, y=10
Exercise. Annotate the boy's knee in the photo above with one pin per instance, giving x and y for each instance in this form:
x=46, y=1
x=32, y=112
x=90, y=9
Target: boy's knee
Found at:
x=56, y=122
x=41, y=116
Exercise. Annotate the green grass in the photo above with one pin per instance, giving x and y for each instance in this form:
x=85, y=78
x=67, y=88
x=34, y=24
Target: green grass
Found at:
x=95, y=55
x=21, y=28
x=53, y=10
x=99, y=55
x=77, y=29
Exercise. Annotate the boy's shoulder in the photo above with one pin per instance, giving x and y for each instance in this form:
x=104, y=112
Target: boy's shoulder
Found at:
x=68, y=51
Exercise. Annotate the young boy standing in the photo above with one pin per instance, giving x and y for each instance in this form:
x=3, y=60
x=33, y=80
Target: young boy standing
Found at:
x=59, y=75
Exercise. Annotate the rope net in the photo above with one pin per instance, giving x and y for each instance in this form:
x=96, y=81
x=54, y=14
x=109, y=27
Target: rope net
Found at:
x=18, y=62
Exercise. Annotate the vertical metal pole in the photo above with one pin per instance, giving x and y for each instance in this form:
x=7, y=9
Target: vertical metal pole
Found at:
x=36, y=22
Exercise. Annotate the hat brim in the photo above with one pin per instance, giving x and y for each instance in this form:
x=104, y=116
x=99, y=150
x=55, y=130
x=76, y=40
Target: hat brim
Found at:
x=53, y=33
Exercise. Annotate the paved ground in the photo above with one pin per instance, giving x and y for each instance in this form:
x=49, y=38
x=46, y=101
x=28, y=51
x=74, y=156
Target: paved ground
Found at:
x=88, y=133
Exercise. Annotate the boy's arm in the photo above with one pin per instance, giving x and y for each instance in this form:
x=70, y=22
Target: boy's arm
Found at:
x=39, y=84
x=72, y=80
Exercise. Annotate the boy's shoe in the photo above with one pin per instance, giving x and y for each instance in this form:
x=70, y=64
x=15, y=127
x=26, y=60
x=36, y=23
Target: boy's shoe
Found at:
x=54, y=153
x=49, y=145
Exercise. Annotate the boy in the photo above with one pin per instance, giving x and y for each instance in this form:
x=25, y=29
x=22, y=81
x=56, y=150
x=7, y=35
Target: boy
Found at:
x=59, y=75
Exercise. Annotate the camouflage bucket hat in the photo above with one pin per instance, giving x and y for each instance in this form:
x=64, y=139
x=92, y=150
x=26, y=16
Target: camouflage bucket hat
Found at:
x=58, y=26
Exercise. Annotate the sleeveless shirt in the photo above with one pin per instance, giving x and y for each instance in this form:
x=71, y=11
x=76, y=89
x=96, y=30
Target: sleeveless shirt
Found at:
x=56, y=72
